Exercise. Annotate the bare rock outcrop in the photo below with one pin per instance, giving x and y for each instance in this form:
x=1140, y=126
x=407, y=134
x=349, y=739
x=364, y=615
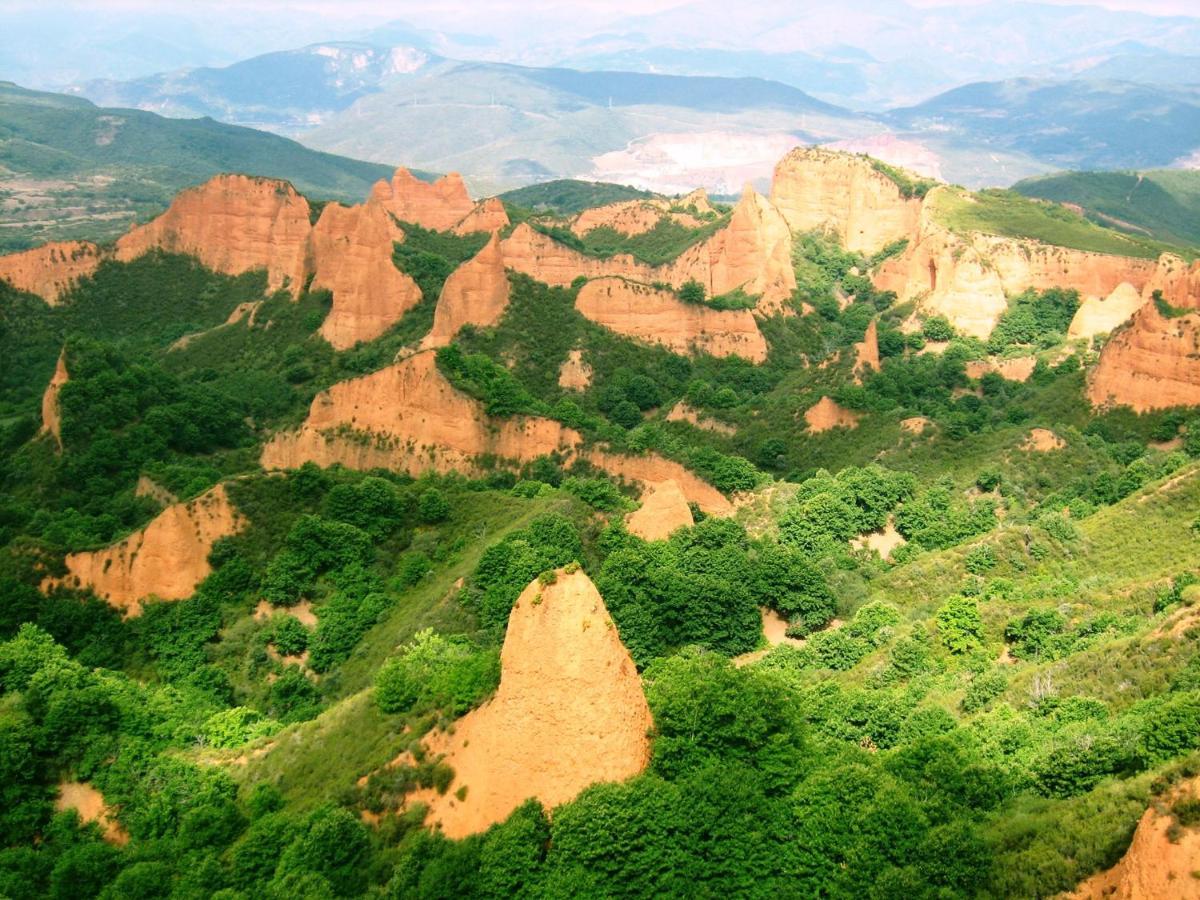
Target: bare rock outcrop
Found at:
x=843, y=193
x=682, y=411
x=440, y=205
x=569, y=713
x=488, y=215
x=664, y=509
x=1178, y=282
x=866, y=352
x=1018, y=368
x=408, y=417
x=826, y=414
x=351, y=255
x=540, y=256
x=1160, y=863
x=1153, y=363
x=166, y=559
x=1042, y=440
x=233, y=224
x=51, y=269
x=575, y=374
x=1100, y=315
x=51, y=414
x=650, y=469
x=656, y=316
x=88, y=803
x=629, y=217
x=476, y=293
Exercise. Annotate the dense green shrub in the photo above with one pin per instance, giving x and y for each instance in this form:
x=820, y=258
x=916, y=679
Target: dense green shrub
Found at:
x=432, y=671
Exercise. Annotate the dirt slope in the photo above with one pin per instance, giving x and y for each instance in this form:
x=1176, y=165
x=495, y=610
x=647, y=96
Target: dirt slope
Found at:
x=90, y=806
x=569, y=712
x=1153, y=363
x=1100, y=315
x=476, y=293
x=664, y=509
x=51, y=416
x=166, y=559
x=51, y=269
x=825, y=415
x=488, y=215
x=575, y=374
x=866, y=352
x=659, y=317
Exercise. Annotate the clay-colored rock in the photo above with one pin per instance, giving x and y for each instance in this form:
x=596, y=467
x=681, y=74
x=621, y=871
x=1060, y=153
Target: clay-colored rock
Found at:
x=866, y=352
x=1015, y=369
x=440, y=205
x=650, y=469
x=488, y=215
x=682, y=412
x=826, y=415
x=575, y=374
x=233, y=224
x=351, y=254
x=629, y=217
x=166, y=559
x=916, y=424
x=408, y=417
x=664, y=509
x=884, y=541
x=148, y=487
x=843, y=193
x=1042, y=440
x=1153, y=363
x=539, y=256
x=1160, y=863
x=659, y=317
x=476, y=293
x=51, y=414
x=1178, y=282
x=51, y=269
x=89, y=805
x=569, y=713
x=1100, y=315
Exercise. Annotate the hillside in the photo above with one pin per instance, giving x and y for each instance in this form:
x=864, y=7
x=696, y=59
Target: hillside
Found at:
x=836, y=544
x=71, y=169
x=1162, y=204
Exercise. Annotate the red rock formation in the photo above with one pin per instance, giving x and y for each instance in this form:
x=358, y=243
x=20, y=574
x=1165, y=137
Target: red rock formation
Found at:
x=166, y=559
x=822, y=189
x=1017, y=369
x=52, y=269
x=539, y=256
x=826, y=415
x=51, y=415
x=866, y=352
x=233, y=224
x=440, y=205
x=351, y=254
x=476, y=293
x=575, y=374
x=659, y=317
x=488, y=215
x=1100, y=315
x=664, y=509
x=1154, y=363
x=1178, y=282
x=650, y=469
x=569, y=713
x=629, y=217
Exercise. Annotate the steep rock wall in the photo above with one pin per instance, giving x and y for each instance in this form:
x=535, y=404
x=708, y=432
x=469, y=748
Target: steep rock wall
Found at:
x=440, y=205
x=476, y=293
x=845, y=194
x=51, y=269
x=166, y=559
x=1100, y=315
x=569, y=713
x=489, y=215
x=351, y=255
x=233, y=224
x=648, y=314
x=1154, y=363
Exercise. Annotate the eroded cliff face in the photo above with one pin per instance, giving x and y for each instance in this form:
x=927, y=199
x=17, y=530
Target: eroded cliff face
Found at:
x=1178, y=282
x=489, y=215
x=569, y=713
x=1100, y=315
x=632, y=217
x=409, y=418
x=1159, y=864
x=440, y=205
x=826, y=414
x=1154, y=363
x=51, y=269
x=659, y=317
x=575, y=374
x=822, y=189
x=866, y=352
x=664, y=509
x=351, y=255
x=539, y=256
x=233, y=224
x=476, y=293
x=51, y=415
x=166, y=559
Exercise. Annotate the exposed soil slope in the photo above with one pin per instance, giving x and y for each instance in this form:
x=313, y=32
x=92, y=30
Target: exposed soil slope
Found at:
x=575, y=374
x=569, y=712
x=51, y=269
x=488, y=215
x=1100, y=315
x=89, y=804
x=1014, y=369
x=51, y=415
x=826, y=415
x=1153, y=363
x=476, y=293
x=166, y=559
x=664, y=509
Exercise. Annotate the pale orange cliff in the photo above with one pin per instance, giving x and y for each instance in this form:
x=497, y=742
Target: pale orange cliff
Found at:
x=540, y=256
x=632, y=217
x=166, y=559
x=408, y=417
x=1100, y=315
x=866, y=352
x=51, y=414
x=476, y=293
x=488, y=215
x=351, y=254
x=1153, y=363
x=649, y=469
x=664, y=509
x=233, y=224
x=1015, y=369
x=440, y=205
x=1160, y=863
x=826, y=414
x=575, y=374
x=845, y=194
x=1178, y=282
x=51, y=269
x=569, y=713
x=659, y=317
